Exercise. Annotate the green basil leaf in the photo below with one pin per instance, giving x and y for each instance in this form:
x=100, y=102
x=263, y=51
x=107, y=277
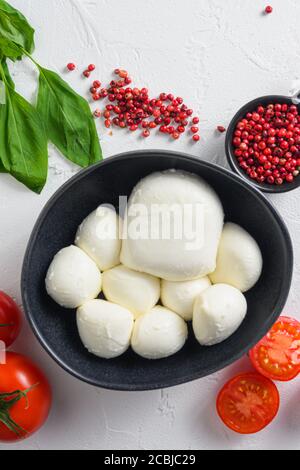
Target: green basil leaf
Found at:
x=68, y=120
x=9, y=80
x=23, y=142
x=9, y=49
x=2, y=169
x=14, y=26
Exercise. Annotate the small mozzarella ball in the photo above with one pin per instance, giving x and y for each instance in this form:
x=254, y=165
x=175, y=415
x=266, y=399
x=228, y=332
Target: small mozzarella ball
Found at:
x=239, y=260
x=139, y=292
x=73, y=278
x=105, y=328
x=159, y=333
x=180, y=296
x=218, y=312
x=98, y=236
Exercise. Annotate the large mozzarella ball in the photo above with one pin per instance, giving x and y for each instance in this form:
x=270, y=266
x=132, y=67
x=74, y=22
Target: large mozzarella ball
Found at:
x=173, y=226
x=138, y=292
x=218, y=312
x=73, y=278
x=180, y=296
x=159, y=333
x=239, y=260
x=104, y=328
x=98, y=236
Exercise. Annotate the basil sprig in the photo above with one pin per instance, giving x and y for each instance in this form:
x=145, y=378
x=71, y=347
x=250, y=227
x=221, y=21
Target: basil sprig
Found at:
x=60, y=116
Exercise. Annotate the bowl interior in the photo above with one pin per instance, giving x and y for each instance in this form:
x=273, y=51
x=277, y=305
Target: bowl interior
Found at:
x=55, y=327
x=250, y=107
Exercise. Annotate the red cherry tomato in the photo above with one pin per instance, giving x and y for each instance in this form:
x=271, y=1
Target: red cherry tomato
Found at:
x=277, y=355
x=248, y=403
x=25, y=398
x=10, y=319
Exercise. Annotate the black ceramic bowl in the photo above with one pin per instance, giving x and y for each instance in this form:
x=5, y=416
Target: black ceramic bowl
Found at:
x=250, y=107
x=55, y=327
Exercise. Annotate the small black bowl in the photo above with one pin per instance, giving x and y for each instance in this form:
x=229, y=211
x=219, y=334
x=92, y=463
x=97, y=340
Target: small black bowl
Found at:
x=250, y=107
x=55, y=327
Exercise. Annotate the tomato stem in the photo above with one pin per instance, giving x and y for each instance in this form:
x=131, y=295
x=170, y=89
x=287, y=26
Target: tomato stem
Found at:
x=7, y=401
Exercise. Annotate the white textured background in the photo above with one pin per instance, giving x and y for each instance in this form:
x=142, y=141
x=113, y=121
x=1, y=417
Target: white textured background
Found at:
x=216, y=54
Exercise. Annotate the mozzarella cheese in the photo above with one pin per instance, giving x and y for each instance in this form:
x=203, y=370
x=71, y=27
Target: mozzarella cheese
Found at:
x=138, y=292
x=73, y=278
x=104, y=328
x=180, y=296
x=173, y=226
x=218, y=312
x=239, y=260
x=159, y=333
x=98, y=236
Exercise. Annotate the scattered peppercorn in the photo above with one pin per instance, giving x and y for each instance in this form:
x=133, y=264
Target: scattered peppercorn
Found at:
x=91, y=67
x=71, y=66
x=221, y=129
x=132, y=108
x=268, y=9
x=97, y=113
x=123, y=74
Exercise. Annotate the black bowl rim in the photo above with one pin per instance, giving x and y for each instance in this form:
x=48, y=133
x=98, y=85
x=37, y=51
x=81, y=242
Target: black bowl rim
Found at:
x=189, y=377
x=266, y=188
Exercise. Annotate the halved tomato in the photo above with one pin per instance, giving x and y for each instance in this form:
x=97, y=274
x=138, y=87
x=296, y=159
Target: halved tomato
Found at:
x=277, y=355
x=248, y=403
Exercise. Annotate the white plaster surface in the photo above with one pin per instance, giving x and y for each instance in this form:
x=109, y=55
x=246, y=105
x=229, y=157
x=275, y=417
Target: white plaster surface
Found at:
x=216, y=54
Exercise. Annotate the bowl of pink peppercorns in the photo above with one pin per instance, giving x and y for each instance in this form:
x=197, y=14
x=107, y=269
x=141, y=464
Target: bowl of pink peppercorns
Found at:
x=263, y=143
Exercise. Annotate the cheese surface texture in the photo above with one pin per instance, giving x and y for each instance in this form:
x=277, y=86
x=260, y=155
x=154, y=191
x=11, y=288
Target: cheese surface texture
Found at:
x=139, y=292
x=73, y=278
x=98, y=236
x=218, y=312
x=180, y=296
x=159, y=333
x=239, y=260
x=104, y=328
x=173, y=226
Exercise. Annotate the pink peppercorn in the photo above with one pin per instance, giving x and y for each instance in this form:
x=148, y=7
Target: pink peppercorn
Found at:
x=71, y=66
